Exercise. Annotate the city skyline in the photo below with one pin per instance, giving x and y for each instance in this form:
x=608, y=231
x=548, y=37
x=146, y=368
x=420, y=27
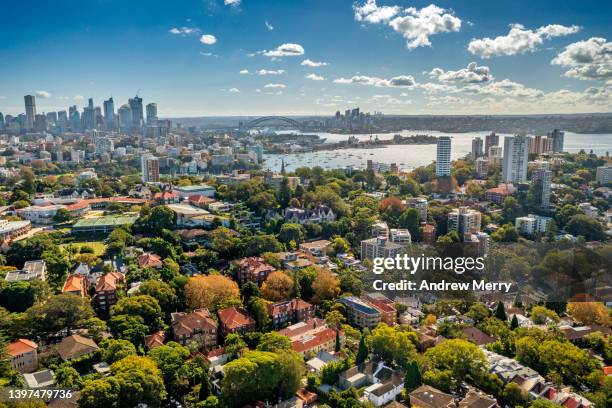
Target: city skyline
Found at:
x=301, y=58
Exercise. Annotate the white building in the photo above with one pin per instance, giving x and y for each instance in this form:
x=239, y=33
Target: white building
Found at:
x=516, y=152
x=464, y=220
x=400, y=236
x=531, y=224
x=379, y=247
x=443, y=156
x=201, y=189
x=589, y=209
x=39, y=214
x=542, y=178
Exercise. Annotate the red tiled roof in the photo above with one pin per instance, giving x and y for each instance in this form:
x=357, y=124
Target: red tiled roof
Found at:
x=150, y=260
x=20, y=346
x=165, y=195
x=287, y=305
x=154, y=340
x=184, y=323
x=607, y=370
x=200, y=199
x=322, y=337
x=77, y=206
x=109, y=281
x=254, y=265
x=129, y=200
x=233, y=318
x=74, y=283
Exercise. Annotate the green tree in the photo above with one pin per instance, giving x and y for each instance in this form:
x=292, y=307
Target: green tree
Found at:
x=66, y=311
x=140, y=381
x=67, y=377
x=170, y=358
x=62, y=215
x=144, y=306
x=131, y=328
x=160, y=218
x=500, y=312
x=116, y=349
x=162, y=292
x=274, y=342
x=291, y=232
x=362, y=351
x=513, y=394
x=413, y=376
x=583, y=225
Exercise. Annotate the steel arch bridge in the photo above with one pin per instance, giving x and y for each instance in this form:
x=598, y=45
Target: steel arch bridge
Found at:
x=265, y=119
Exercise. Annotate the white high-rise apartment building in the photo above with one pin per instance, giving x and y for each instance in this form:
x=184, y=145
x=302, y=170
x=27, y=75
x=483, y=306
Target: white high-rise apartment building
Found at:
x=604, y=174
x=30, y=110
x=543, y=179
x=516, y=155
x=150, y=168
x=443, y=157
x=464, y=220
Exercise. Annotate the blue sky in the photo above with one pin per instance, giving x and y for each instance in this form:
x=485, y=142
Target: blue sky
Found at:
x=394, y=56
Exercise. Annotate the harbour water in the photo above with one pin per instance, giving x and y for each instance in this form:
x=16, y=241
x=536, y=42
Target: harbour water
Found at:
x=410, y=156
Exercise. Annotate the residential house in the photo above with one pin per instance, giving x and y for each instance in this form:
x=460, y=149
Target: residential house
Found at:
x=429, y=397
x=166, y=197
x=31, y=270
x=154, y=340
x=23, y=354
x=76, y=284
x=290, y=311
x=75, y=346
x=106, y=290
x=383, y=384
x=477, y=336
x=233, y=320
x=312, y=336
x=150, y=260
x=253, y=269
x=40, y=379
x=198, y=326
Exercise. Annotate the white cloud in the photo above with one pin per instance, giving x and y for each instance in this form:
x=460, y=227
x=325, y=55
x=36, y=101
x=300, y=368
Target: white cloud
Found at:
x=270, y=72
x=518, y=40
x=432, y=88
x=314, y=77
x=401, y=81
x=587, y=60
x=415, y=25
x=208, y=39
x=79, y=98
x=445, y=100
x=281, y=86
x=234, y=3
x=471, y=74
x=314, y=64
x=184, y=31
x=43, y=94
x=269, y=26
x=234, y=90
x=370, y=12
x=285, y=50
x=504, y=87
x=244, y=72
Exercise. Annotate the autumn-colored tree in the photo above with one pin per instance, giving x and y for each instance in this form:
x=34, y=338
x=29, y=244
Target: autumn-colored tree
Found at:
x=277, y=286
x=325, y=286
x=589, y=312
x=429, y=320
x=211, y=292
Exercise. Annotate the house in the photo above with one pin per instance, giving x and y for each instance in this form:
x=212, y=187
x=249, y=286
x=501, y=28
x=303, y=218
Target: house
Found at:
x=23, y=354
x=290, y=311
x=429, y=397
x=316, y=248
x=106, y=290
x=318, y=215
x=166, y=197
x=317, y=363
x=476, y=399
x=200, y=200
x=40, y=379
x=312, y=336
x=253, y=269
x=382, y=383
x=140, y=191
x=198, y=326
x=188, y=215
x=233, y=320
x=10, y=230
x=577, y=334
x=76, y=284
x=40, y=214
x=155, y=339
x=75, y=346
x=477, y=336
x=31, y=270
x=150, y=260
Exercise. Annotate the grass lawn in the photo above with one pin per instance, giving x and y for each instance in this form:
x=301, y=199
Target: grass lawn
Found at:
x=98, y=246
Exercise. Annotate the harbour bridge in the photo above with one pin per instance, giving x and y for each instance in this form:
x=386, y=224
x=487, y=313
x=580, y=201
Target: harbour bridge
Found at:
x=280, y=121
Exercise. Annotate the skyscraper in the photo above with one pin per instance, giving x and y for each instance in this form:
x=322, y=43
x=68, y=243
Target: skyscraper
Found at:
x=557, y=137
x=476, y=148
x=149, y=168
x=514, y=165
x=443, y=157
x=1, y=121
x=109, y=113
x=490, y=140
x=151, y=113
x=30, y=109
x=89, y=116
x=542, y=179
x=137, y=111
x=125, y=116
